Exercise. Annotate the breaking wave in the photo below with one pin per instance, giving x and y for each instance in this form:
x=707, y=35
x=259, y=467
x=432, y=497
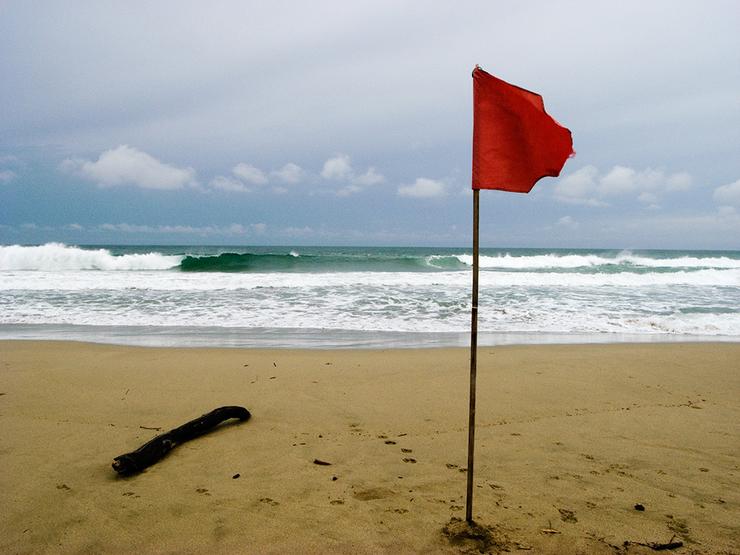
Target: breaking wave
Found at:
x=53, y=257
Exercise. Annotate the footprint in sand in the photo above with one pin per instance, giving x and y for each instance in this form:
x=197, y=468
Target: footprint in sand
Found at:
x=409, y=460
x=204, y=491
x=567, y=515
x=268, y=501
x=373, y=493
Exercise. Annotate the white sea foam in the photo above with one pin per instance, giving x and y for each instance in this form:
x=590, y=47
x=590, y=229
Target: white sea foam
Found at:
x=570, y=261
x=184, y=281
x=60, y=257
x=691, y=295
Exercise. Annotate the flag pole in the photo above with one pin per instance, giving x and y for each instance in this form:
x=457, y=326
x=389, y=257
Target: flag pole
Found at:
x=473, y=361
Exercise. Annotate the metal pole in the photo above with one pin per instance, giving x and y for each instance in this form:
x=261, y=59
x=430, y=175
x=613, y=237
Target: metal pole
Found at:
x=473, y=361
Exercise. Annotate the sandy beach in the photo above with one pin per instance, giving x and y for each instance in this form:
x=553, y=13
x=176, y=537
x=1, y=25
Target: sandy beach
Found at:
x=570, y=439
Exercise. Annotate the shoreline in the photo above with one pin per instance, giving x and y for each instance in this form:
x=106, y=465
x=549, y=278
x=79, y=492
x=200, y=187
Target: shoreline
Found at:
x=321, y=339
x=569, y=438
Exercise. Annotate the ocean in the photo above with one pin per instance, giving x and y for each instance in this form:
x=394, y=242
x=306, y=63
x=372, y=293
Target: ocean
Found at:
x=363, y=297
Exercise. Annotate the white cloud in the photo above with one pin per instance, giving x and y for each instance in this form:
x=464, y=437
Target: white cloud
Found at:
x=370, y=177
x=618, y=181
x=232, y=229
x=250, y=174
x=339, y=168
x=236, y=229
x=6, y=176
x=648, y=198
x=228, y=184
x=423, y=188
x=587, y=186
x=567, y=221
x=289, y=173
x=348, y=190
x=728, y=194
x=579, y=187
x=298, y=231
x=125, y=165
x=680, y=181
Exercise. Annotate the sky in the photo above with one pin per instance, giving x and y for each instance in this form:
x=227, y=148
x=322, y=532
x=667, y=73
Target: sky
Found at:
x=350, y=123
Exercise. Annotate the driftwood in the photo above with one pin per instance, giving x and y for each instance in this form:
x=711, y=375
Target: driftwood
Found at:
x=658, y=546
x=155, y=449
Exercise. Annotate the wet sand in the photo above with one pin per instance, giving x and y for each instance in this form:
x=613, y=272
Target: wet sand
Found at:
x=570, y=440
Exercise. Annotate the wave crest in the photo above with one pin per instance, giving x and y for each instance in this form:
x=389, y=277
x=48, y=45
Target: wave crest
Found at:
x=60, y=257
x=624, y=259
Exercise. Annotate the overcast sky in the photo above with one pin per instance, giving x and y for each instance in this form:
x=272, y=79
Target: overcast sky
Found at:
x=350, y=122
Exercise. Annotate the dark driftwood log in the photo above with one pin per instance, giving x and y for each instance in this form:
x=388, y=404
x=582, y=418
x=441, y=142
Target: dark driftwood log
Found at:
x=153, y=450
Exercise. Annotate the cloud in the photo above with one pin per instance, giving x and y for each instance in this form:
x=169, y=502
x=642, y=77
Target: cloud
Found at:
x=623, y=180
x=294, y=232
x=245, y=173
x=232, y=229
x=228, y=184
x=587, y=186
x=6, y=176
x=289, y=173
x=579, y=187
x=125, y=165
x=370, y=177
x=348, y=190
x=250, y=174
x=618, y=181
x=680, y=181
x=567, y=221
x=339, y=168
x=728, y=194
x=423, y=188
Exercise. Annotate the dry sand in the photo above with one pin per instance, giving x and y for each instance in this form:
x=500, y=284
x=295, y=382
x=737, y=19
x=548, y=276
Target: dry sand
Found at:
x=569, y=440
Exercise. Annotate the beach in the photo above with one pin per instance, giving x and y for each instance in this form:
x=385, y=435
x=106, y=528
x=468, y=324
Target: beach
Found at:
x=579, y=449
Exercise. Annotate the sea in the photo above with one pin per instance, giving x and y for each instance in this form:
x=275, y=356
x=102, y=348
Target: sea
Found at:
x=364, y=297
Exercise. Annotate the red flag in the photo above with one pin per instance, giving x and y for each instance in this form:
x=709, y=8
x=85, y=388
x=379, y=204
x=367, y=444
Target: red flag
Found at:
x=515, y=142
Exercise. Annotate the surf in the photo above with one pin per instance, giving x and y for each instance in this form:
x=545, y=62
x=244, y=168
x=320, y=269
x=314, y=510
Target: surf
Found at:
x=54, y=257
